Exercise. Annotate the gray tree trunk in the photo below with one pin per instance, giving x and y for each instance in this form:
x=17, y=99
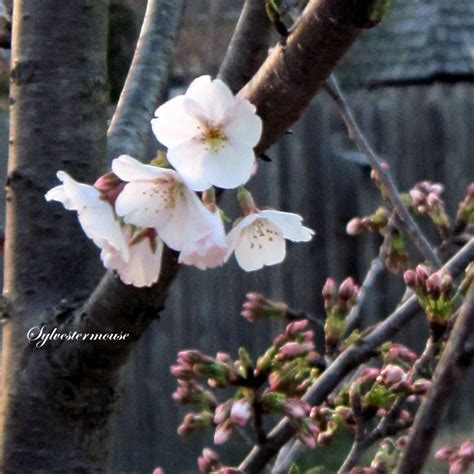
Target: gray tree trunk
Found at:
x=55, y=416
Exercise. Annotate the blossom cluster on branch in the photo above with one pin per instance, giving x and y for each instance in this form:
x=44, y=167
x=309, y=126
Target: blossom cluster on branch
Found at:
x=377, y=401
x=131, y=212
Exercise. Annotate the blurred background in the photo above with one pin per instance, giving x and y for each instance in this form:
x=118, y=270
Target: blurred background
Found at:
x=410, y=82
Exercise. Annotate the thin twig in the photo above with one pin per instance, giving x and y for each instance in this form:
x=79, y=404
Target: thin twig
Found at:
x=447, y=377
x=407, y=224
x=287, y=456
x=376, y=267
x=347, y=360
x=130, y=125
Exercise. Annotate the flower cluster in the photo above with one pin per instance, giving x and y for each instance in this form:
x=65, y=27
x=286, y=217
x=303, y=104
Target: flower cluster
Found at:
x=458, y=457
x=337, y=303
x=435, y=293
x=425, y=199
x=274, y=384
x=129, y=213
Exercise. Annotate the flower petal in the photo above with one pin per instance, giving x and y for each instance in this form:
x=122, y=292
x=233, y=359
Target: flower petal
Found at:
x=143, y=266
x=290, y=225
x=146, y=204
x=229, y=166
x=130, y=169
x=187, y=158
x=214, y=97
x=253, y=250
x=242, y=125
x=174, y=123
x=72, y=194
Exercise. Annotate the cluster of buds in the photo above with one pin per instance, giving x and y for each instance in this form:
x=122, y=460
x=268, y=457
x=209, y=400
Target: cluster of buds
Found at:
x=435, y=293
x=465, y=214
x=395, y=353
x=425, y=198
x=377, y=222
x=209, y=462
x=337, y=302
x=291, y=363
x=458, y=457
x=256, y=307
x=192, y=364
x=388, y=455
x=273, y=385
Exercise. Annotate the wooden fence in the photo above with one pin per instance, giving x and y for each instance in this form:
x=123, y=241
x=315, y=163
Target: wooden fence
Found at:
x=423, y=132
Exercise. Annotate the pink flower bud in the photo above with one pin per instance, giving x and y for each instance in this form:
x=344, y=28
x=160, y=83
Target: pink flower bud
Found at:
x=222, y=412
x=410, y=278
x=399, y=351
x=457, y=467
x=433, y=285
x=368, y=374
x=223, y=432
x=354, y=226
x=241, y=411
x=417, y=197
x=422, y=274
x=110, y=186
x=329, y=293
x=348, y=289
x=392, y=374
x=208, y=461
x=290, y=350
x=192, y=356
x=158, y=470
x=466, y=450
x=444, y=453
x=296, y=408
x=296, y=327
x=182, y=371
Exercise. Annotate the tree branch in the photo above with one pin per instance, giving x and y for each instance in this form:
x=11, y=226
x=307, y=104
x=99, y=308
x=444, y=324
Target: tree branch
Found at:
x=447, y=377
x=376, y=267
x=406, y=222
x=146, y=79
x=248, y=47
x=346, y=361
x=293, y=73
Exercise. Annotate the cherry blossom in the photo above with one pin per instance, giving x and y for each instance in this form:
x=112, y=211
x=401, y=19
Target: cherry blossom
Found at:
x=137, y=261
x=157, y=197
x=259, y=238
x=144, y=263
x=208, y=251
x=95, y=215
x=210, y=135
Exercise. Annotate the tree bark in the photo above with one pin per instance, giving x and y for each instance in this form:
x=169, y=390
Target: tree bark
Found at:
x=58, y=121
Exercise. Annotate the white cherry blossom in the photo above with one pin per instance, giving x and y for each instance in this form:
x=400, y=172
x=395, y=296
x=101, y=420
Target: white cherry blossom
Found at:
x=144, y=262
x=210, y=135
x=157, y=197
x=136, y=264
x=95, y=215
x=258, y=240
x=208, y=251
